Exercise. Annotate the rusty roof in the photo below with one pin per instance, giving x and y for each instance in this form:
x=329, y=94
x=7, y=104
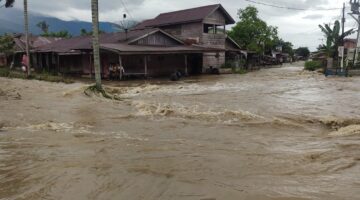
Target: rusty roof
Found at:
x=85, y=42
x=185, y=16
x=35, y=41
x=122, y=48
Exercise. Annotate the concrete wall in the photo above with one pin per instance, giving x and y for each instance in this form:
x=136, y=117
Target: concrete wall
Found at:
x=215, y=60
x=213, y=40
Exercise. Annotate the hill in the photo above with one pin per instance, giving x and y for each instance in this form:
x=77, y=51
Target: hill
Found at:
x=11, y=21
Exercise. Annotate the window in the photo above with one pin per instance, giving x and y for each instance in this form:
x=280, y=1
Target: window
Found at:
x=214, y=29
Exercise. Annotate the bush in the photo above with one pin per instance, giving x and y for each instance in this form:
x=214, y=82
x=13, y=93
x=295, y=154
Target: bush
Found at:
x=239, y=71
x=312, y=65
x=6, y=72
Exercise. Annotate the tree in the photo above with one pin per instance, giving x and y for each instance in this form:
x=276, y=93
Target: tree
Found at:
x=287, y=47
x=9, y=3
x=84, y=32
x=60, y=34
x=252, y=33
x=96, y=46
x=6, y=44
x=43, y=26
x=333, y=38
x=303, y=52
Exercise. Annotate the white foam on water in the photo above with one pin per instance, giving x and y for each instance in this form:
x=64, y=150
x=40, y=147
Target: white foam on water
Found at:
x=347, y=131
x=193, y=112
x=54, y=127
x=178, y=89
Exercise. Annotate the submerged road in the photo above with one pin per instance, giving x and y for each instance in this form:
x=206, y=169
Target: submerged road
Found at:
x=274, y=134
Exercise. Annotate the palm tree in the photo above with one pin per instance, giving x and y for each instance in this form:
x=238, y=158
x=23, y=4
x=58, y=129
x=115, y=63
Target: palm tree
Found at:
x=26, y=27
x=96, y=47
x=333, y=38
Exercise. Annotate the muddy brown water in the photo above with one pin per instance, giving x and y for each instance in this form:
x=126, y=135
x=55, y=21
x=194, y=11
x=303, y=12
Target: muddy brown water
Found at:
x=275, y=134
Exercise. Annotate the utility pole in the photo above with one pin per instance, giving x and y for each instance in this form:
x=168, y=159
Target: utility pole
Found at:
x=355, y=9
x=343, y=20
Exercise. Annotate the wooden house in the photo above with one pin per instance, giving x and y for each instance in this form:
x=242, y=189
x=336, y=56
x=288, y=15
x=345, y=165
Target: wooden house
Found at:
x=189, y=41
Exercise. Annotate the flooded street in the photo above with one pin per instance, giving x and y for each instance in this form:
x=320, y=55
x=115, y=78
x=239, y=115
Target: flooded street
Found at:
x=274, y=134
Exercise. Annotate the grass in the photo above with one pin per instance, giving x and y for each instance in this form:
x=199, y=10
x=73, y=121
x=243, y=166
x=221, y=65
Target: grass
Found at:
x=239, y=71
x=6, y=72
x=313, y=65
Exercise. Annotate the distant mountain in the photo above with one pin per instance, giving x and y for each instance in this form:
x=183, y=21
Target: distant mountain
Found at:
x=11, y=21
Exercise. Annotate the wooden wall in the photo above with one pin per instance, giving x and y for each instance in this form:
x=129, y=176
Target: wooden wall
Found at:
x=185, y=31
x=216, y=18
x=157, y=39
x=215, y=60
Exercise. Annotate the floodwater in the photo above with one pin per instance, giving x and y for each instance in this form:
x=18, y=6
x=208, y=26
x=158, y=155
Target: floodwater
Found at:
x=275, y=134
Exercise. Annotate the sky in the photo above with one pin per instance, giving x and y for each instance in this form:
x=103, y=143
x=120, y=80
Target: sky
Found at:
x=298, y=27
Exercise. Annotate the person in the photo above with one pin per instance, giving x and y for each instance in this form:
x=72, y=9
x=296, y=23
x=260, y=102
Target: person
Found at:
x=122, y=72
x=24, y=63
x=281, y=60
x=111, y=72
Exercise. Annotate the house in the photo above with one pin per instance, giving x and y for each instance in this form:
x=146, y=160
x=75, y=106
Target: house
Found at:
x=350, y=43
x=190, y=41
x=20, y=47
x=3, y=60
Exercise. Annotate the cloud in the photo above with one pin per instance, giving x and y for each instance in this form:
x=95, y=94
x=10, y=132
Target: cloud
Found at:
x=291, y=23
x=315, y=16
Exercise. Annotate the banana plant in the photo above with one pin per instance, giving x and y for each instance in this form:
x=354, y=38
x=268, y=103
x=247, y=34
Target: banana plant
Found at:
x=333, y=38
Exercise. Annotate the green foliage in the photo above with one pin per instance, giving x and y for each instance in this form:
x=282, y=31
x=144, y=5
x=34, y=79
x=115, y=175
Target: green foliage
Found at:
x=9, y=3
x=313, y=65
x=229, y=64
x=333, y=38
x=6, y=72
x=239, y=71
x=84, y=32
x=303, y=52
x=43, y=26
x=287, y=47
x=6, y=44
x=253, y=33
x=60, y=34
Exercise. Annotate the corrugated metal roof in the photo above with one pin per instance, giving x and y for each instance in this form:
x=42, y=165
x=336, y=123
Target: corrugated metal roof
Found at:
x=85, y=42
x=184, y=16
x=137, y=49
x=35, y=41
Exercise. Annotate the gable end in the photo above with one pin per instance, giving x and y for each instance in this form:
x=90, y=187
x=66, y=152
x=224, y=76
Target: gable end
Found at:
x=156, y=38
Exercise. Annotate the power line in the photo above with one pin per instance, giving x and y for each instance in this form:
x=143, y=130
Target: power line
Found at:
x=126, y=10
x=289, y=8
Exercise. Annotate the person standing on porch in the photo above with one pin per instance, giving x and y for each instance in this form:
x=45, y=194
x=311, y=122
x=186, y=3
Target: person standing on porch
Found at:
x=24, y=63
x=122, y=72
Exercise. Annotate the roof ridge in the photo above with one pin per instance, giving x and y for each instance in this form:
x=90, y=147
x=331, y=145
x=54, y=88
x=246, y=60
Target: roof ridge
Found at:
x=172, y=12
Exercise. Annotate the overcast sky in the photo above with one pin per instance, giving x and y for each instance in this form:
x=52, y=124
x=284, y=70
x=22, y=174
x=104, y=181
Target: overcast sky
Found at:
x=299, y=27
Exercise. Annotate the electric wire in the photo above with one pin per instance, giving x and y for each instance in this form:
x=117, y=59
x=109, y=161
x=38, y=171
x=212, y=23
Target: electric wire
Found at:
x=290, y=8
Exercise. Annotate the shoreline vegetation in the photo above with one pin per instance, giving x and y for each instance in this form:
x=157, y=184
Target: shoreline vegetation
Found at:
x=44, y=76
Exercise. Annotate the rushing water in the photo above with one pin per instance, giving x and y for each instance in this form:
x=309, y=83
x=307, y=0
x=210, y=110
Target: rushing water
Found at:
x=278, y=133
